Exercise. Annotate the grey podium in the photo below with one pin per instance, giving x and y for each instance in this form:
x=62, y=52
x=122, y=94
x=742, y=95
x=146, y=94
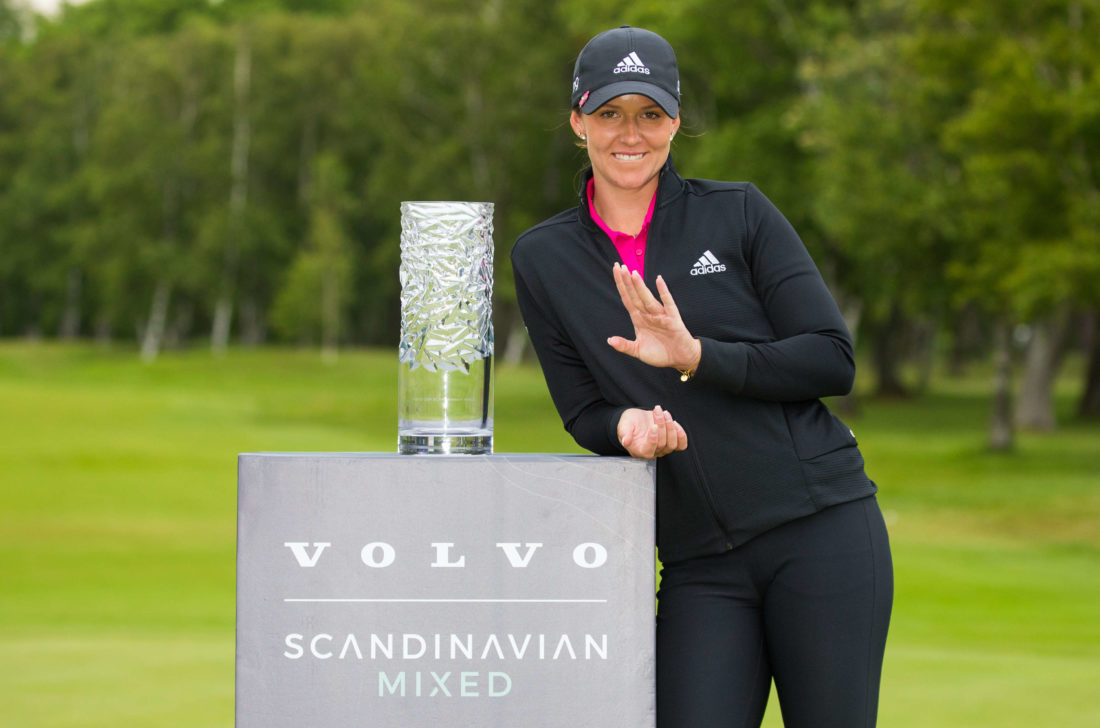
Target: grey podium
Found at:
x=396, y=591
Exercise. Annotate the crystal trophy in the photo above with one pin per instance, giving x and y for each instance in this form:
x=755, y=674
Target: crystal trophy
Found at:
x=445, y=361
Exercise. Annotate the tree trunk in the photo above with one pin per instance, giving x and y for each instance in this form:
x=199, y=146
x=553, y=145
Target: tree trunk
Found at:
x=1002, y=434
x=886, y=355
x=516, y=344
x=1035, y=408
x=1089, y=406
x=223, y=318
x=238, y=195
x=158, y=317
x=153, y=335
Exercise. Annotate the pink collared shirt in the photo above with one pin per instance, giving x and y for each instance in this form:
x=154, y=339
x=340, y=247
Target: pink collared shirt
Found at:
x=631, y=247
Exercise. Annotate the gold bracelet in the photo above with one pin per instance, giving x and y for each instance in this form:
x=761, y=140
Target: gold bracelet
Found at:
x=686, y=374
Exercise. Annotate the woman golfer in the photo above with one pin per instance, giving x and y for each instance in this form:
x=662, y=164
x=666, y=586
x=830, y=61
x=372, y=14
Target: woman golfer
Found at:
x=683, y=320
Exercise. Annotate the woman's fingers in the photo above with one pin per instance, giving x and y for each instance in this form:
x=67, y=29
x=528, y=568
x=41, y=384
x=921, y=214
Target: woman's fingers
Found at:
x=645, y=299
x=674, y=436
x=650, y=434
x=626, y=291
x=623, y=346
x=621, y=287
x=632, y=289
x=666, y=298
x=659, y=430
x=682, y=437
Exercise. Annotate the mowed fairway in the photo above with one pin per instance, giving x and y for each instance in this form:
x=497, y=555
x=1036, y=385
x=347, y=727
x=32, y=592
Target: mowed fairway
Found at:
x=117, y=532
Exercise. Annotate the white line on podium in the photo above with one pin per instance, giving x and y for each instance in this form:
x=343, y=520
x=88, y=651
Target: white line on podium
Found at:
x=455, y=601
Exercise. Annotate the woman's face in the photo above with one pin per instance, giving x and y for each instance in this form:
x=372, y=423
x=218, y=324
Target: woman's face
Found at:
x=628, y=140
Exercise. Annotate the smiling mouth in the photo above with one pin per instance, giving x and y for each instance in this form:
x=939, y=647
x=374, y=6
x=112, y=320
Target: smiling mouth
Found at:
x=628, y=157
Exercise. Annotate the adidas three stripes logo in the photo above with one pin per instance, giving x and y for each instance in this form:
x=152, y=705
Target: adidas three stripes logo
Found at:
x=707, y=263
x=631, y=64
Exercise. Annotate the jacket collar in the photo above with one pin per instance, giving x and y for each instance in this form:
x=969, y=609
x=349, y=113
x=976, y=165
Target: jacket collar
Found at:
x=670, y=185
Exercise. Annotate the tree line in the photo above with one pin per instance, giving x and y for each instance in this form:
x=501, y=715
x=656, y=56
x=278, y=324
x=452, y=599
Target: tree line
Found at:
x=204, y=172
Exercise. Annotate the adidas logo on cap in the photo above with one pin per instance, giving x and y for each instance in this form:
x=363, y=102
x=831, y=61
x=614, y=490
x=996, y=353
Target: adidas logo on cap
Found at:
x=631, y=64
x=707, y=263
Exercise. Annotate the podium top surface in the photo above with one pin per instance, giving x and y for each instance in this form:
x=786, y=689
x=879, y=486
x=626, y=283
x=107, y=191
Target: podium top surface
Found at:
x=394, y=455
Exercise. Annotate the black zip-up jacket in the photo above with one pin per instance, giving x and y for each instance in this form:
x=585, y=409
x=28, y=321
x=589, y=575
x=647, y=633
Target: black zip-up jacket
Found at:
x=762, y=448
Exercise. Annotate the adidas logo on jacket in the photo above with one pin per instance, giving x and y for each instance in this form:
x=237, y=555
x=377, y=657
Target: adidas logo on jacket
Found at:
x=707, y=263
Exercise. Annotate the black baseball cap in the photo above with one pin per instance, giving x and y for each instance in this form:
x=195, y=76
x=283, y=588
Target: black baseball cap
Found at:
x=626, y=60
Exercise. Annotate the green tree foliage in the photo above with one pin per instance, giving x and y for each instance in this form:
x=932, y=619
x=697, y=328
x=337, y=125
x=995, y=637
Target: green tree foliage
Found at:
x=882, y=190
x=152, y=192
x=1028, y=147
x=231, y=170
x=47, y=104
x=1029, y=193
x=11, y=22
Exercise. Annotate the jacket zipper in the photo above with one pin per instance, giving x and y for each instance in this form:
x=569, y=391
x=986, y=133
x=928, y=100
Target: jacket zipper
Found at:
x=707, y=495
x=710, y=502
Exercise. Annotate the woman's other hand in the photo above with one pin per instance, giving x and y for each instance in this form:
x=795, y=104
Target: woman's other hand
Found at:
x=660, y=337
x=650, y=434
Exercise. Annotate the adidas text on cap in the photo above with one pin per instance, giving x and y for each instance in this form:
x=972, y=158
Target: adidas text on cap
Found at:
x=626, y=61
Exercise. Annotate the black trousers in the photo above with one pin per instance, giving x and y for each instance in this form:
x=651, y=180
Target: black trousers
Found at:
x=806, y=604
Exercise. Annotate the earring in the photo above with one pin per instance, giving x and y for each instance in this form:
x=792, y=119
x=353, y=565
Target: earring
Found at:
x=584, y=138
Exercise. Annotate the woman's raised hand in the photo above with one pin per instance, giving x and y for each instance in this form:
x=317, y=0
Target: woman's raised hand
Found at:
x=660, y=337
x=649, y=434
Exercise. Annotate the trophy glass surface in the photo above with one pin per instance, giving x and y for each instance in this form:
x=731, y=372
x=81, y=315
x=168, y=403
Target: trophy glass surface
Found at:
x=445, y=364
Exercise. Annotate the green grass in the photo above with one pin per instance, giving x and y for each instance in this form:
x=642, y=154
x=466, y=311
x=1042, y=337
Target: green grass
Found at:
x=117, y=532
